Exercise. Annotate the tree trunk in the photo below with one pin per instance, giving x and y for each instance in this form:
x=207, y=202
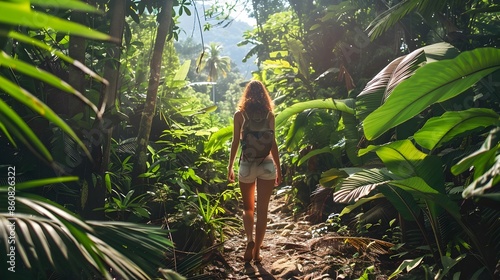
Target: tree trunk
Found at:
x=101, y=154
x=164, y=19
x=70, y=105
x=77, y=50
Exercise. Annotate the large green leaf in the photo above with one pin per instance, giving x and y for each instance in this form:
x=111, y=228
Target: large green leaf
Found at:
x=488, y=180
x=440, y=51
x=37, y=43
x=403, y=201
x=30, y=70
x=39, y=107
x=419, y=188
x=405, y=160
x=22, y=14
x=486, y=163
x=49, y=237
x=313, y=153
x=380, y=87
x=296, y=108
x=182, y=73
x=482, y=158
x=360, y=184
x=296, y=132
x=434, y=82
x=440, y=130
x=218, y=139
x=332, y=177
x=66, y=4
x=18, y=128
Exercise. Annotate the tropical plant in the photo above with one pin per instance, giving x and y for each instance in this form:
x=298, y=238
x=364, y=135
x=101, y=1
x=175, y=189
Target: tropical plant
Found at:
x=120, y=205
x=20, y=13
x=48, y=237
x=414, y=181
x=212, y=213
x=212, y=60
x=464, y=25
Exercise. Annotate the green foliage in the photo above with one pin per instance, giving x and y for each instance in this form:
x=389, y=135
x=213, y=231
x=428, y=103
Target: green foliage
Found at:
x=218, y=140
x=433, y=83
x=120, y=204
x=424, y=116
x=380, y=87
x=438, y=131
x=430, y=120
x=332, y=224
x=486, y=162
x=20, y=13
x=213, y=221
x=416, y=180
x=312, y=104
x=211, y=60
x=49, y=236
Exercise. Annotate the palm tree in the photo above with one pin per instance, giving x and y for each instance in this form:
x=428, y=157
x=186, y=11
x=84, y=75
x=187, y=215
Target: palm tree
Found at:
x=211, y=58
x=216, y=64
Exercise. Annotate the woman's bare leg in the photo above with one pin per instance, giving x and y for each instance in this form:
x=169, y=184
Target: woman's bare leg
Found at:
x=248, y=195
x=264, y=192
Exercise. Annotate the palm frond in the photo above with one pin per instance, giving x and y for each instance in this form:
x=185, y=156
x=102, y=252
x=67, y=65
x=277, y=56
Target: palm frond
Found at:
x=364, y=244
x=372, y=95
x=379, y=83
x=404, y=70
x=360, y=184
x=390, y=17
x=396, y=13
x=51, y=238
x=380, y=87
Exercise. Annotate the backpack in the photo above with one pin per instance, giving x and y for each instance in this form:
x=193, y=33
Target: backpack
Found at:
x=257, y=137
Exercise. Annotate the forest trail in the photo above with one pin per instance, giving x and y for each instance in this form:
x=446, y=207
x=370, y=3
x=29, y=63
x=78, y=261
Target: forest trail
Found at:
x=290, y=251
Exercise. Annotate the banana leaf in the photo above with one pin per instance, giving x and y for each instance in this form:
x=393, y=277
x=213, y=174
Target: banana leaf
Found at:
x=439, y=130
x=432, y=83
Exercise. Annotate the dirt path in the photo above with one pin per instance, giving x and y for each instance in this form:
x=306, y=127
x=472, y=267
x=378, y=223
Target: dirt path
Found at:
x=290, y=251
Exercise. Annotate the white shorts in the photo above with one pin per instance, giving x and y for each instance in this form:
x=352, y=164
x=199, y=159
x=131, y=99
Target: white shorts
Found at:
x=250, y=171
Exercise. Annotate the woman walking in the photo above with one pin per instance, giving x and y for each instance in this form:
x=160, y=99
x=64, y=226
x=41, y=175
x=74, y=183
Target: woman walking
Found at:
x=259, y=163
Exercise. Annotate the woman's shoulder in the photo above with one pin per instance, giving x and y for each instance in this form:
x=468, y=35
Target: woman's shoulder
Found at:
x=238, y=115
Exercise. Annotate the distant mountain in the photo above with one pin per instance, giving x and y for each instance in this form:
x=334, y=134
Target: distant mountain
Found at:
x=228, y=36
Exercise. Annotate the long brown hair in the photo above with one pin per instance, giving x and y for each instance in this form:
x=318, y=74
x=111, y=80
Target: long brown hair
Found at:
x=256, y=98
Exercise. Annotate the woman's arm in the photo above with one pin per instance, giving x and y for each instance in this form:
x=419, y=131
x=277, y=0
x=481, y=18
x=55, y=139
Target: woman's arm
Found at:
x=275, y=153
x=237, y=123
